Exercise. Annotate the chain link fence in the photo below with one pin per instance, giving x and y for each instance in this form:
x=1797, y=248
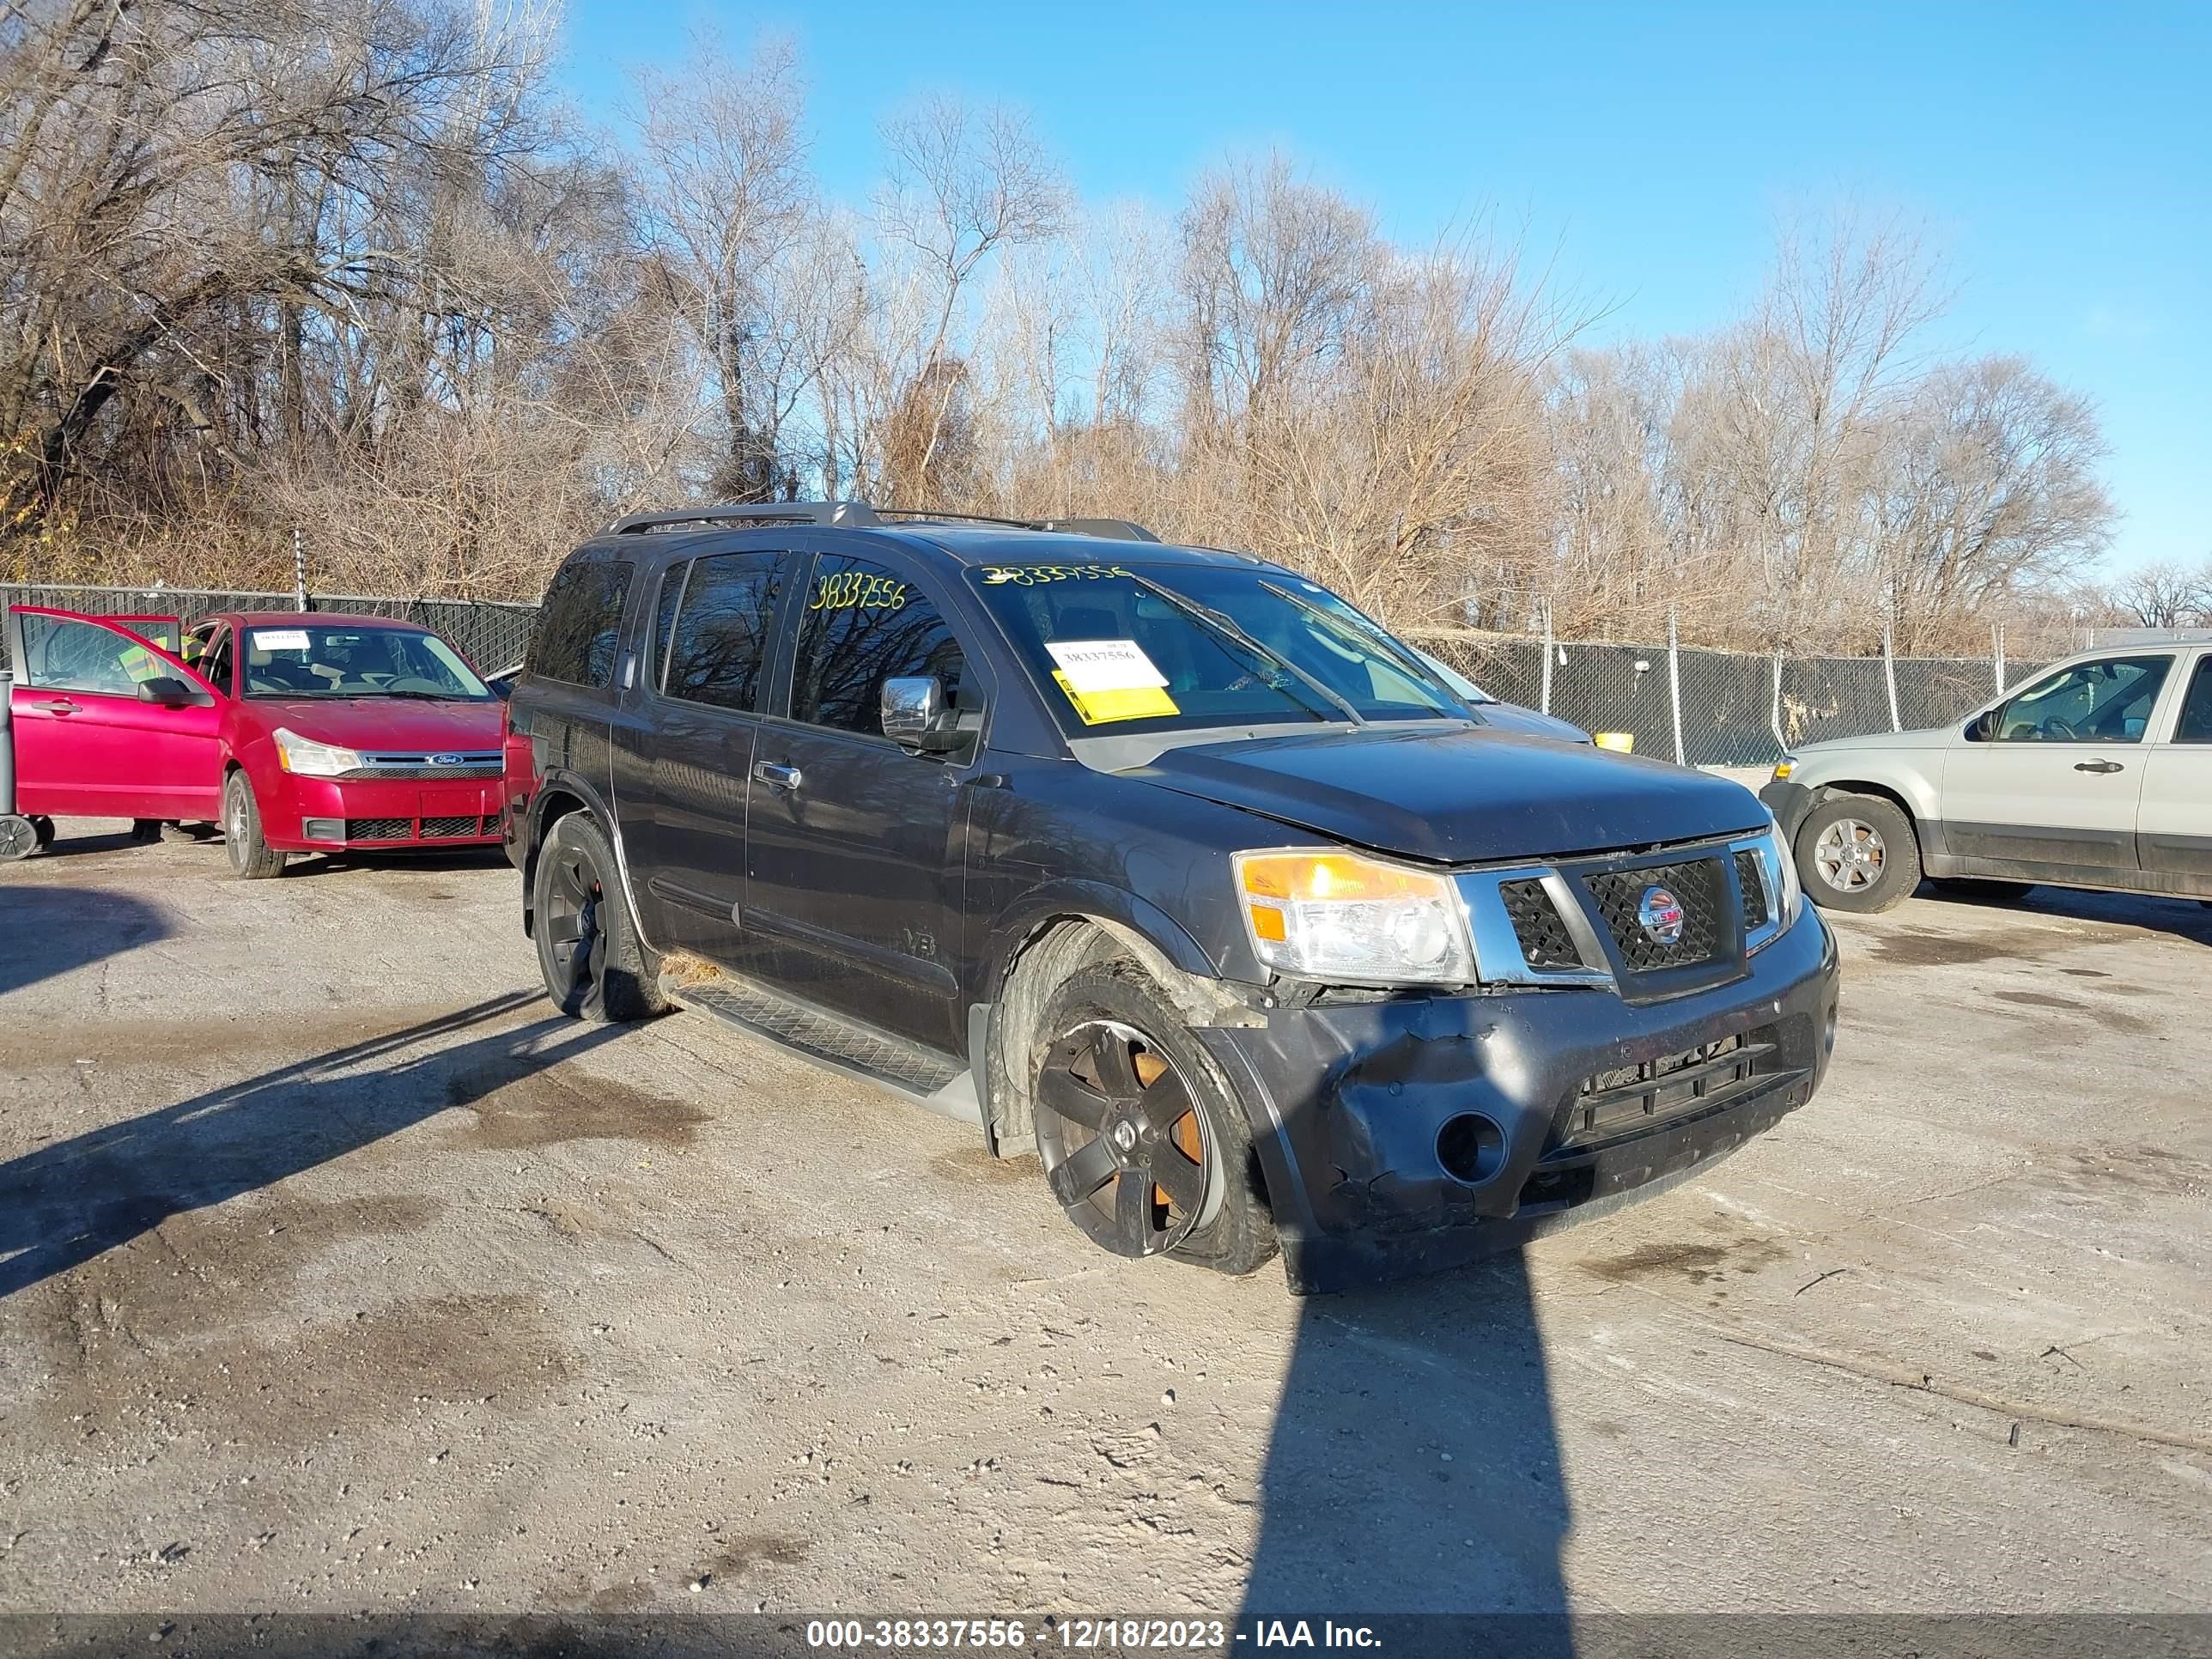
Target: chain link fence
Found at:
x=1707, y=708
x=1702, y=707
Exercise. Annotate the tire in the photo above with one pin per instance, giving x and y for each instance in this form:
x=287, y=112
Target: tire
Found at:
x=44, y=826
x=1219, y=1216
x=252, y=858
x=1974, y=887
x=576, y=901
x=18, y=837
x=1879, y=861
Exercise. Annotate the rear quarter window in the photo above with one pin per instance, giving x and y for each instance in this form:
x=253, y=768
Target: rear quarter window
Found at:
x=581, y=625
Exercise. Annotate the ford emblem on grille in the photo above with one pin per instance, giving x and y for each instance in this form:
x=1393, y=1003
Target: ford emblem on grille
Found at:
x=1661, y=913
x=448, y=760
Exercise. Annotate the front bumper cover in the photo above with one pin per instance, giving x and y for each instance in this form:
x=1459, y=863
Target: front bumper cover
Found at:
x=1348, y=1102
x=1790, y=803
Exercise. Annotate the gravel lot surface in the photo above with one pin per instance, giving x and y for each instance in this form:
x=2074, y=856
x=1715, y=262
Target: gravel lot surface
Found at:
x=336, y=1274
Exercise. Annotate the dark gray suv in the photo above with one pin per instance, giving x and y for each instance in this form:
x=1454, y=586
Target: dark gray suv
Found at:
x=1163, y=863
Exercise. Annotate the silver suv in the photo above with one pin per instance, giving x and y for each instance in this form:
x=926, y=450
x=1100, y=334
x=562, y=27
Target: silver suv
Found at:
x=2098, y=774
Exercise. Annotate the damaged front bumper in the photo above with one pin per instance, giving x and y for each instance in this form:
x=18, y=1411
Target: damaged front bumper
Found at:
x=1408, y=1134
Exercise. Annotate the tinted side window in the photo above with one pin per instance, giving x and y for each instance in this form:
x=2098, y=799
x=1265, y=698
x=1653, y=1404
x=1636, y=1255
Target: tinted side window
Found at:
x=580, y=624
x=2195, y=723
x=721, y=646
x=862, y=626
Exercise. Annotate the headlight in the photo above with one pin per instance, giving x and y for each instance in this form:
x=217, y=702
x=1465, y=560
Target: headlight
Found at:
x=1790, y=893
x=311, y=759
x=1341, y=917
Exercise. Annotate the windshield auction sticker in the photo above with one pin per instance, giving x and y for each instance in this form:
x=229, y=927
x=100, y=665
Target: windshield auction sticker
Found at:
x=280, y=639
x=1111, y=680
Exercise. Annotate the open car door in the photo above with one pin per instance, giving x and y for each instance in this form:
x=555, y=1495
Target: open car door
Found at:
x=108, y=724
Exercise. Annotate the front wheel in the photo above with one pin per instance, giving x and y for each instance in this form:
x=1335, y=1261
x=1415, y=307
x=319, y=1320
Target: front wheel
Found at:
x=594, y=965
x=1143, y=1146
x=1857, y=853
x=45, y=826
x=252, y=858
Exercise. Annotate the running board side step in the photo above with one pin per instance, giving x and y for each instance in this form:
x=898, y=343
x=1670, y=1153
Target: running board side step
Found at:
x=834, y=1042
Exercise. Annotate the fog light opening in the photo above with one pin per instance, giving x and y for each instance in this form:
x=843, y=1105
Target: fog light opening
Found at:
x=322, y=830
x=1471, y=1148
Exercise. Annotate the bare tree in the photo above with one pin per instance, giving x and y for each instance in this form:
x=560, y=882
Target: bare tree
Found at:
x=722, y=197
x=2164, y=595
x=964, y=184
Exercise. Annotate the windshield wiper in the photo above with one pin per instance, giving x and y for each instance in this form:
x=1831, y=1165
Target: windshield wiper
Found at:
x=1223, y=623
x=1346, y=630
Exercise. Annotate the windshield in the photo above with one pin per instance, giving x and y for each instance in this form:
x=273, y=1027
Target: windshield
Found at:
x=321, y=659
x=1167, y=647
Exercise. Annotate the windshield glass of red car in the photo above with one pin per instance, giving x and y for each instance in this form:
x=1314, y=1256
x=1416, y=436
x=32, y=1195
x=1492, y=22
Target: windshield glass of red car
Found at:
x=322, y=659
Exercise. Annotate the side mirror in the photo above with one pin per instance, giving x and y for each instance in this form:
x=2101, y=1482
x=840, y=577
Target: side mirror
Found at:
x=166, y=690
x=1984, y=728
x=912, y=705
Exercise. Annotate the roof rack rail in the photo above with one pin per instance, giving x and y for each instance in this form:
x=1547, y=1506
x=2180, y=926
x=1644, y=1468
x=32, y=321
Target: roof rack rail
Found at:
x=832, y=513
x=860, y=514
x=1118, y=530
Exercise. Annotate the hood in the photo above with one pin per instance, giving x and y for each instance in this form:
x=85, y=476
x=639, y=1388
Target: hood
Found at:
x=1514, y=717
x=1462, y=796
x=387, y=725
x=1933, y=737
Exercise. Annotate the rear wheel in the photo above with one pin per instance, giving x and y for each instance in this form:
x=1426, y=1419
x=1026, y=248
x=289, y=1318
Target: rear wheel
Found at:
x=252, y=858
x=45, y=826
x=594, y=965
x=1143, y=1147
x=1857, y=853
x=18, y=837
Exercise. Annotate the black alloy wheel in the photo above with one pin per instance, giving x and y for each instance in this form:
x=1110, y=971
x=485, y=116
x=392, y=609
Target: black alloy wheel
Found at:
x=576, y=943
x=1127, y=1152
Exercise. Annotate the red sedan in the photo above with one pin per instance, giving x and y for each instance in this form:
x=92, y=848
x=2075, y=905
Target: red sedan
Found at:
x=296, y=732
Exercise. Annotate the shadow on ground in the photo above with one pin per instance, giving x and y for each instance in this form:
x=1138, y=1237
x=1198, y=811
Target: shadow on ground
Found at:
x=1414, y=1466
x=64, y=1203
x=46, y=931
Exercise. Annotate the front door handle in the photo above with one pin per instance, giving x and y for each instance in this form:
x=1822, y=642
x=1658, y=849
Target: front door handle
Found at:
x=776, y=775
x=56, y=706
x=2099, y=766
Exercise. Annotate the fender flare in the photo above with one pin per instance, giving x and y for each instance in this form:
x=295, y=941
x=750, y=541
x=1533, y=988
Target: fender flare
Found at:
x=1186, y=976
x=560, y=781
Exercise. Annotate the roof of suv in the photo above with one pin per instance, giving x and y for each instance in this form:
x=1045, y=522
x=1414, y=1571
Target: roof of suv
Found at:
x=967, y=542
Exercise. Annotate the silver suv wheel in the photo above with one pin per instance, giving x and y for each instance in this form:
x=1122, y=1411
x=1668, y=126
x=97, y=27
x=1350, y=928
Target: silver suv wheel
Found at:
x=1850, y=855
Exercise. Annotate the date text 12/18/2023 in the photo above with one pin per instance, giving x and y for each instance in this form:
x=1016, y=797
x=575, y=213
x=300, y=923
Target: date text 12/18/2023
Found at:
x=1110, y=1634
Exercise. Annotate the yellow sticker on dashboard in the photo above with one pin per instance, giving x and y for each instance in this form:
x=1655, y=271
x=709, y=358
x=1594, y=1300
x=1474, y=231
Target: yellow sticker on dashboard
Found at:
x=1134, y=703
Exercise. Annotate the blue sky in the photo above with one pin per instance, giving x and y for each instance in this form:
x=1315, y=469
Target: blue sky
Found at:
x=2059, y=156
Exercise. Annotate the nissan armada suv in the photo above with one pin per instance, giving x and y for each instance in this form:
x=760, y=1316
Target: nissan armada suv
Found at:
x=1163, y=863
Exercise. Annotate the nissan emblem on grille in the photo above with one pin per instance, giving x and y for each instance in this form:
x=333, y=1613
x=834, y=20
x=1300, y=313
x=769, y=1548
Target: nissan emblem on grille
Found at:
x=1661, y=913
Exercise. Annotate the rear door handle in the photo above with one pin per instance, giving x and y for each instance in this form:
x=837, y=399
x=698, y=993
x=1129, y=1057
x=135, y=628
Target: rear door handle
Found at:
x=56, y=706
x=776, y=775
x=2099, y=766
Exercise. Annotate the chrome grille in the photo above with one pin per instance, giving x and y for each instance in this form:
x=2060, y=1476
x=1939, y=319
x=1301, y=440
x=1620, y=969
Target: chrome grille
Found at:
x=1697, y=886
x=1545, y=941
x=420, y=767
x=1753, y=883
